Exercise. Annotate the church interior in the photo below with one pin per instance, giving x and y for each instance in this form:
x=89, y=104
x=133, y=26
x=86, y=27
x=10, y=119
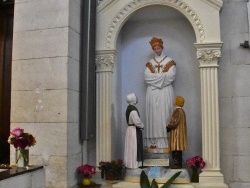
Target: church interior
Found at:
x=67, y=68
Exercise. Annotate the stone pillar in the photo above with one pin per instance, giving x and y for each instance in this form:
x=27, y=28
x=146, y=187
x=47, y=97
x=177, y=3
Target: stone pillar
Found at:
x=208, y=55
x=104, y=69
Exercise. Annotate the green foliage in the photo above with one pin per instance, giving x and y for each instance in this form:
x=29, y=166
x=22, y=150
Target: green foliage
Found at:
x=111, y=170
x=144, y=181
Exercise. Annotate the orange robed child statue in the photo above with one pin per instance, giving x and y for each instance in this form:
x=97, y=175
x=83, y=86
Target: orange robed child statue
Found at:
x=178, y=133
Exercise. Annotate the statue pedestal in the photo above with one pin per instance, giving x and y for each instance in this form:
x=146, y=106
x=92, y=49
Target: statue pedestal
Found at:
x=124, y=184
x=156, y=157
x=133, y=175
x=132, y=178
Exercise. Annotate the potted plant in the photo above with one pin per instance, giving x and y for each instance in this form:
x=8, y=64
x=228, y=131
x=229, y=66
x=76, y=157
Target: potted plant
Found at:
x=112, y=170
x=195, y=163
x=144, y=181
x=86, y=171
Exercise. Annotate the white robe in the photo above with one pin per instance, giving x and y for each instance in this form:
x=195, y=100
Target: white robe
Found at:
x=130, y=151
x=159, y=102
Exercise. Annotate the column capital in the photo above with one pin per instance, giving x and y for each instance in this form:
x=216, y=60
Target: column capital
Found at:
x=208, y=54
x=105, y=60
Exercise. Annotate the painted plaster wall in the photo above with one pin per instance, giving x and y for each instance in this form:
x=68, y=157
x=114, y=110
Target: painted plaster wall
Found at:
x=234, y=94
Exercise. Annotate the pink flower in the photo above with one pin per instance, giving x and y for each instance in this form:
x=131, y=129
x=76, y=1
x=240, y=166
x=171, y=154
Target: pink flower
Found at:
x=17, y=132
x=86, y=170
x=20, y=139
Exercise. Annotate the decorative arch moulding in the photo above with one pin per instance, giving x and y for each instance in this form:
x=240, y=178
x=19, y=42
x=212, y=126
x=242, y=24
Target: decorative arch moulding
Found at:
x=123, y=14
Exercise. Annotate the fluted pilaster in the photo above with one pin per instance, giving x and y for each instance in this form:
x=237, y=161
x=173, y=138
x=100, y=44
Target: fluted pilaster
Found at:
x=105, y=61
x=208, y=56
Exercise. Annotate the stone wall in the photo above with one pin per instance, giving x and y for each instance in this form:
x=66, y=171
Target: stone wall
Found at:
x=45, y=84
x=234, y=94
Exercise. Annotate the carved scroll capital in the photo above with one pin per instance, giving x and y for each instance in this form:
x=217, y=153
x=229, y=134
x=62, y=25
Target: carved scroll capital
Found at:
x=105, y=60
x=208, y=57
x=208, y=54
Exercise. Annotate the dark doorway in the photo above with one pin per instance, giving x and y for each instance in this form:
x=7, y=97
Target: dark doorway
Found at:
x=6, y=38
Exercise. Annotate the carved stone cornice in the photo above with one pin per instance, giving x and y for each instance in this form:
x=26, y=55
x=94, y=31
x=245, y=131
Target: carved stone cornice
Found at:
x=208, y=54
x=214, y=3
x=105, y=60
x=102, y=4
x=134, y=5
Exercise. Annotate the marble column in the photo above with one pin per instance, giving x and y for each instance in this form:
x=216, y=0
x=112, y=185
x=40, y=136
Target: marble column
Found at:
x=104, y=69
x=208, y=55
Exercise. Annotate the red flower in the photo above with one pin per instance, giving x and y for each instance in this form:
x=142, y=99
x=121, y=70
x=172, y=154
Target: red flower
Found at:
x=21, y=143
x=196, y=162
x=20, y=139
x=86, y=170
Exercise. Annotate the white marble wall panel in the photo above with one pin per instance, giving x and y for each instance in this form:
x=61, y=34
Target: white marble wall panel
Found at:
x=56, y=172
x=225, y=59
x=73, y=162
x=45, y=84
x=235, y=141
x=45, y=14
x=233, y=19
x=22, y=181
x=75, y=15
x=226, y=115
x=241, y=79
x=226, y=81
x=241, y=111
x=74, y=145
x=74, y=45
x=47, y=106
x=242, y=170
x=240, y=185
x=45, y=73
x=73, y=74
x=40, y=44
x=73, y=106
x=227, y=167
x=233, y=80
x=40, y=74
x=51, y=138
x=239, y=55
x=33, y=179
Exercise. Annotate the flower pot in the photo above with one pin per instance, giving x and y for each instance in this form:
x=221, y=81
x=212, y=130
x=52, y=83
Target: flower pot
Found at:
x=22, y=157
x=86, y=181
x=195, y=175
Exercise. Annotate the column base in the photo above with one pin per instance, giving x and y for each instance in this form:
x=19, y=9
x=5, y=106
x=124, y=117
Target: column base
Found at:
x=124, y=184
x=210, y=185
x=211, y=179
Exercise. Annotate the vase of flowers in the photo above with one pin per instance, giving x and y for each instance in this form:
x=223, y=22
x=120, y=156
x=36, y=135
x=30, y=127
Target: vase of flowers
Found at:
x=112, y=170
x=86, y=171
x=21, y=141
x=196, y=164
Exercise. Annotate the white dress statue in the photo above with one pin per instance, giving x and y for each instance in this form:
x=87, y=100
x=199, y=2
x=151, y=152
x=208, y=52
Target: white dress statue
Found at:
x=133, y=140
x=159, y=75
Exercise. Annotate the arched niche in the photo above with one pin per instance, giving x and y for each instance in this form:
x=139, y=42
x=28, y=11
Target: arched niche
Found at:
x=111, y=16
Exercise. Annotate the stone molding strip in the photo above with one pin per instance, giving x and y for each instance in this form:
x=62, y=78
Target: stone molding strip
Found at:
x=136, y=4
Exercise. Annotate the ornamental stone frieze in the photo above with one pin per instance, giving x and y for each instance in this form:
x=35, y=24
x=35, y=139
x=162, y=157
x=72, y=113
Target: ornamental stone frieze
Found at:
x=105, y=61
